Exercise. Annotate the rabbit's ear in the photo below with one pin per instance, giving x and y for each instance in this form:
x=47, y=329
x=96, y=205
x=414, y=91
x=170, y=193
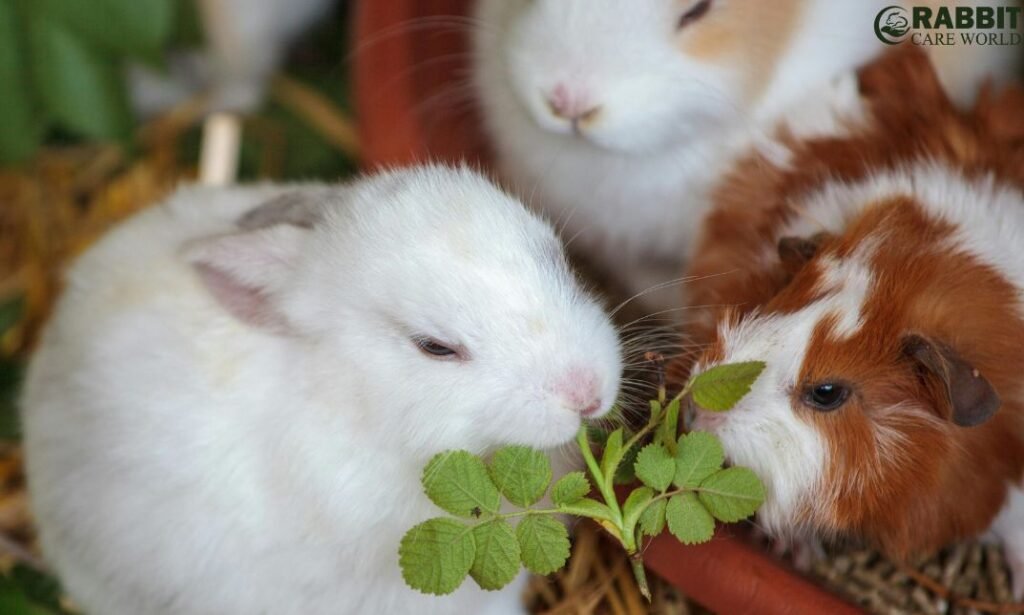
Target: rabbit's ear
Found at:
x=247, y=272
x=298, y=208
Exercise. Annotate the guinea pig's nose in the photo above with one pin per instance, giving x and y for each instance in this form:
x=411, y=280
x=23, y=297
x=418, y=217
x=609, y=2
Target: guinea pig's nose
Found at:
x=570, y=105
x=579, y=390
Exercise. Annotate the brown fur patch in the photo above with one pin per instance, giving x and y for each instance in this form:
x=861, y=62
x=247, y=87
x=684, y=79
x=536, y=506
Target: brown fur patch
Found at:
x=751, y=34
x=900, y=476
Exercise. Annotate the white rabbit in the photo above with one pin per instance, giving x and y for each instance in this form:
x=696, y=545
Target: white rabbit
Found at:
x=231, y=408
x=618, y=118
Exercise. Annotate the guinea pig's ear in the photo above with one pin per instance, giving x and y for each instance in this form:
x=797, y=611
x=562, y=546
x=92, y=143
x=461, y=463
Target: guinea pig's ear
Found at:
x=246, y=272
x=794, y=252
x=972, y=399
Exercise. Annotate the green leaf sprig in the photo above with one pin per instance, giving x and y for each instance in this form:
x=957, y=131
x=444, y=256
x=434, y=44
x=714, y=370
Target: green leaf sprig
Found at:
x=683, y=486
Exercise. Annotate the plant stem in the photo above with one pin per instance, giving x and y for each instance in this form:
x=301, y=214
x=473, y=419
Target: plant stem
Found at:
x=595, y=470
x=636, y=561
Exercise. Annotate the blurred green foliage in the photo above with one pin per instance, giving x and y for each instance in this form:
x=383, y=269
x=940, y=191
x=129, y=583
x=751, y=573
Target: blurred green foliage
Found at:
x=10, y=374
x=26, y=591
x=62, y=65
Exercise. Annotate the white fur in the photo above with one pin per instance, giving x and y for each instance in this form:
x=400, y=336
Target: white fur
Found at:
x=181, y=461
x=762, y=432
x=635, y=185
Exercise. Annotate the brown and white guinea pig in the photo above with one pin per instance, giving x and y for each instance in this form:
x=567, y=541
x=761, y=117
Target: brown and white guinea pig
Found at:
x=880, y=276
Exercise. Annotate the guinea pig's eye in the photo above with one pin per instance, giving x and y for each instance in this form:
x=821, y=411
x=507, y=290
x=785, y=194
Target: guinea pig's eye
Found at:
x=434, y=348
x=826, y=396
x=696, y=12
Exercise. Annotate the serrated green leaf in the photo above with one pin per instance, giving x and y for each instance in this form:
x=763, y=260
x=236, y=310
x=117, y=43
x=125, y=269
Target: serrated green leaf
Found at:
x=80, y=86
x=655, y=467
x=698, y=456
x=635, y=503
x=722, y=386
x=20, y=127
x=496, y=561
x=458, y=483
x=626, y=474
x=588, y=507
x=436, y=555
x=652, y=520
x=732, y=494
x=543, y=542
x=688, y=520
x=570, y=489
x=612, y=453
x=668, y=429
x=521, y=474
x=140, y=28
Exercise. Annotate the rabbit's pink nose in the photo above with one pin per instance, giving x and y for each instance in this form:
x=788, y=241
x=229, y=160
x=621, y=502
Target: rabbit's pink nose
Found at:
x=579, y=390
x=570, y=105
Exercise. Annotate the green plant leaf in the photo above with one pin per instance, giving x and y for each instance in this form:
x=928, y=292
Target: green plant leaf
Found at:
x=14, y=602
x=656, y=410
x=436, y=555
x=457, y=482
x=80, y=86
x=138, y=28
x=570, y=489
x=10, y=379
x=21, y=128
x=635, y=503
x=668, y=429
x=698, y=456
x=688, y=520
x=626, y=473
x=588, y=507
x=40, y=588
x=11, y=309
x=612, y=453
x=652, y=521
x=521, y=474
x=596, y=435
x=544, y=543
x=732, y=494
x=722, y=386
x=655, y=467
x=496, y=561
